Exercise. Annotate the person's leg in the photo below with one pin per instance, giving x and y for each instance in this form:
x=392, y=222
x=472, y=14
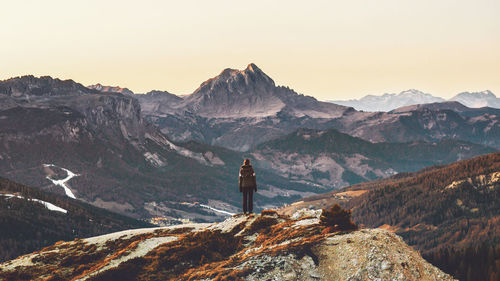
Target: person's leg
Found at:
x=245, y=194
x=250, y=201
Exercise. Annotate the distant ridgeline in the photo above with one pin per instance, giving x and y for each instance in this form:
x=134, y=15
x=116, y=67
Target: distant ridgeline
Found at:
x=31, y=219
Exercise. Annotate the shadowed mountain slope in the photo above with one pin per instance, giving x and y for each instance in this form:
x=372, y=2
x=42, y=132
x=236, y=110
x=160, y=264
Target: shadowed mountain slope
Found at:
x=31, y=219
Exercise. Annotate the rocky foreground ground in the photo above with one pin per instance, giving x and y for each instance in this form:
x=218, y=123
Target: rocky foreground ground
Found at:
x=266, y=246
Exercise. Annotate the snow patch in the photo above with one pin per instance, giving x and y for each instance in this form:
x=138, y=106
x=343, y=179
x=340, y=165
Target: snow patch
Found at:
x=154, y=159
x=180, y=150
x=216, y=210
x=210, y=156
x=141, y=250
x=62, y=182
x=47, y=205
x=306, y=222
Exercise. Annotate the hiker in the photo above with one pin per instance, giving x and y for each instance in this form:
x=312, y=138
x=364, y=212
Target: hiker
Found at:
x=248, y=184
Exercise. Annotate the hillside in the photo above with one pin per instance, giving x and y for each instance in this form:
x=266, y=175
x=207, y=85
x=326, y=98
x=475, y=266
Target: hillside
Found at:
x=331, y=159
x=449, y=213
x=31, y=219
x=255, y=247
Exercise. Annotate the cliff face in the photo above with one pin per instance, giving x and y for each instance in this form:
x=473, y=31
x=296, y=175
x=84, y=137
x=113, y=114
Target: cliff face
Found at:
x=256, y=247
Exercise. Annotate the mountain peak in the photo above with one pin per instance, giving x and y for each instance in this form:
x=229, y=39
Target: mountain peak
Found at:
x=233, y=80
x=478, y=99
x=413, y=92
x=252, y=68
x=485, y=93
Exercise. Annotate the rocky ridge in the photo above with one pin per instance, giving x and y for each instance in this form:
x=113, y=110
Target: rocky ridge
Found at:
x=256, y=247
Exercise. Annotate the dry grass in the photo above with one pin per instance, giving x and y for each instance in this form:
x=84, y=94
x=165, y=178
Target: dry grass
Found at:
x=193, y=256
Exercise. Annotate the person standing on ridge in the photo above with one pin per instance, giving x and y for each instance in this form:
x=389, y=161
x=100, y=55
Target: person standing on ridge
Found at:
x=248, y=184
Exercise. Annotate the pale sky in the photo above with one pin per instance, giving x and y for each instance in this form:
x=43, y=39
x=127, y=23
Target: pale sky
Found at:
x=327, y=49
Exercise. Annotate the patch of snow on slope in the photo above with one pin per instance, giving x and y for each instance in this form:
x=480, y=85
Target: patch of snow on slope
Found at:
x=47, y=205
x=62, y=182
x=216, y=210
x=141, y=250
x=154, y=159
x=180, y=150
x=126, y=234
x=210, y=156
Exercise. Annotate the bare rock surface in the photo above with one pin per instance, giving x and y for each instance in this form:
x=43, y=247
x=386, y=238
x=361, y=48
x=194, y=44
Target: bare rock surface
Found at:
x=373, y=254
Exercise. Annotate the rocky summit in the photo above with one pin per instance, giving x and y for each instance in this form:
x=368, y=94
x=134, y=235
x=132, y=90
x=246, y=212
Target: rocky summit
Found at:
x=266, y=246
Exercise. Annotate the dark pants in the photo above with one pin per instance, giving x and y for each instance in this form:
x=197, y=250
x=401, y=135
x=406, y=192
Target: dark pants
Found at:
x=247, y=200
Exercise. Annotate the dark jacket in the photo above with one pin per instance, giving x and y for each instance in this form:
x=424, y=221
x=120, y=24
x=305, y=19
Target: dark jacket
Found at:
x=247, y=178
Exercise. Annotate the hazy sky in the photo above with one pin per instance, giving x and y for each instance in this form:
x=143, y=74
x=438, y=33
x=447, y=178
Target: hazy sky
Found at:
x=327, y=49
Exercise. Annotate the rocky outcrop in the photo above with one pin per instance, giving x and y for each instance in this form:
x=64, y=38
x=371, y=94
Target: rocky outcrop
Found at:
x=256, y=247
x=111, y=89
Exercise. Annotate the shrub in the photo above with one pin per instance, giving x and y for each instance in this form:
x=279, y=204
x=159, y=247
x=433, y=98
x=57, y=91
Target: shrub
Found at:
x=262, y=223
x=269, y=212
x=337, y=219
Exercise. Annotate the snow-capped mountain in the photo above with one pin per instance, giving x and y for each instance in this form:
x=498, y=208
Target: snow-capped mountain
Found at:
x=388, y=102
x=478, y=99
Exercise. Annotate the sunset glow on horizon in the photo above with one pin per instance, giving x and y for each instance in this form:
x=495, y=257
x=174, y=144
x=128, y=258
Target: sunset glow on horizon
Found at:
x=327, y=49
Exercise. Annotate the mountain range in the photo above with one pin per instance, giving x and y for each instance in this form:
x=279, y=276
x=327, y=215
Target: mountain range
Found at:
x=241, y=109
x=388, y=102
x=124, y=152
